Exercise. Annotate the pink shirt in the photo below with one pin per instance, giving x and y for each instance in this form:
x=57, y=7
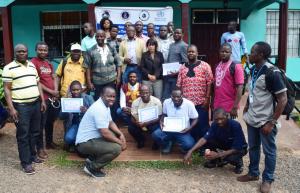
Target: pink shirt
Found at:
x=225, y=85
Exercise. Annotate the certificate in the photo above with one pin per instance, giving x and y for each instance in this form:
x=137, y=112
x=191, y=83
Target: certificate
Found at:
x=174, y=124
x=148, y=114
x=169, y=68
x=71, y=105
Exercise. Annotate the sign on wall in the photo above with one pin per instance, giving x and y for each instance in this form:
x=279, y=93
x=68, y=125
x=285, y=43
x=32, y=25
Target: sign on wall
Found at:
x=119, y=15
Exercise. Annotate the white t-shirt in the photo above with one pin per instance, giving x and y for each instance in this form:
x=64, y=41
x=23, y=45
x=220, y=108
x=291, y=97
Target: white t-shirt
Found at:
x=186, y=109
x=96, y=117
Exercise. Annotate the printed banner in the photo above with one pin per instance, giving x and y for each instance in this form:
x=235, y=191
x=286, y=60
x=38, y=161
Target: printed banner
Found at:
x=119, y=15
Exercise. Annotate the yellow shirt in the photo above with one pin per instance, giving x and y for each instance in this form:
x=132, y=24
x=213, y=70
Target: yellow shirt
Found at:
x=24, y=79
x=72, y=71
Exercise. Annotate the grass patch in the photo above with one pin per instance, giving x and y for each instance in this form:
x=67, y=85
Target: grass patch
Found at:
x=59, y=158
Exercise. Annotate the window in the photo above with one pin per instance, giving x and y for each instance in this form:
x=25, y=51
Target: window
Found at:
x=61, y=29
x=272, y=33
x=212, y=16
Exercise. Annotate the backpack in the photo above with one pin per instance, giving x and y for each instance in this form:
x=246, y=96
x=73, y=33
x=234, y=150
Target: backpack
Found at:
x=290, y=85
x=232, y=71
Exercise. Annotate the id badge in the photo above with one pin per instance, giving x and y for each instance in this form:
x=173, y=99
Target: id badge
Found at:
x=250, y=98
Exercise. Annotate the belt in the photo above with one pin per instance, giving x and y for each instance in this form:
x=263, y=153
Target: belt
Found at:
x=28, y=103
x=132, y=65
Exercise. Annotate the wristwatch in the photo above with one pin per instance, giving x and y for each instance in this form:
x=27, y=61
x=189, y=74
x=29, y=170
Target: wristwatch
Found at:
x=273, y=121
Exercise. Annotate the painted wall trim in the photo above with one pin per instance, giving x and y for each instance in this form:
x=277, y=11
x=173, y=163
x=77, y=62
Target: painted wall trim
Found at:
x=185, y=1
x=249, y=6
x=90, y=1
x=5, y=3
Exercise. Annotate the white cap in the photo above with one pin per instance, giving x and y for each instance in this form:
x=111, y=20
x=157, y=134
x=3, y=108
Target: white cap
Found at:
x=76, y=47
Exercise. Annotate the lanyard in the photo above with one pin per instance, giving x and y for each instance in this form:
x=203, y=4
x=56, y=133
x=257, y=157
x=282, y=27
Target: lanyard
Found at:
x=254, y=78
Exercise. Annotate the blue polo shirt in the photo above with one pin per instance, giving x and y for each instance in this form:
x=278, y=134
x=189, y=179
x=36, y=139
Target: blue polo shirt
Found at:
x=229, y=137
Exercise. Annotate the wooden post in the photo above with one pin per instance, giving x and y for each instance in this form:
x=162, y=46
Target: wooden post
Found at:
x=185, y=16
x=7, y=34
x=283, y=33
x=91, y=14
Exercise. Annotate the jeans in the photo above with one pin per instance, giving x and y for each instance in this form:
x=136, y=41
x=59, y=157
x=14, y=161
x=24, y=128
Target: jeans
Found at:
x=203, y=123
x=70, y=135
x=156, y=88
x=100, y=152
x=185, y=140
x=169, y=85
x=255, y=139
x=121, y=115
x=129, y=69
x=28, y=130
x=47, y=122
x=137, y=132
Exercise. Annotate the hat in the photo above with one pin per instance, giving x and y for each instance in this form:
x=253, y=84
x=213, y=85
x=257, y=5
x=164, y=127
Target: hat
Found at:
x=76, y=47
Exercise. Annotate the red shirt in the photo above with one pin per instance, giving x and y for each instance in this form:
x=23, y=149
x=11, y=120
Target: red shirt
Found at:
x=195, y=88
x=45, y=72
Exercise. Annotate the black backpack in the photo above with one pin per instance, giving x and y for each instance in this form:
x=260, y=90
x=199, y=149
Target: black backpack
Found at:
x=290, y=85
x=232, y=71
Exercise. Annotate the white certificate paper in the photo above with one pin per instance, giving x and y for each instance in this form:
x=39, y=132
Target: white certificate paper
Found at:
x=174, y=124
x=148, y=114
x=169, y=68
x=71, y=105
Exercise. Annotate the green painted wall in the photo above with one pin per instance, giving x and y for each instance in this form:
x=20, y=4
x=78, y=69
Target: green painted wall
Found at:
x=26, y=25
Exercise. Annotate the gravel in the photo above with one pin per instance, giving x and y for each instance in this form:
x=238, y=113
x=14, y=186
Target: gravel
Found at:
x=197, y=179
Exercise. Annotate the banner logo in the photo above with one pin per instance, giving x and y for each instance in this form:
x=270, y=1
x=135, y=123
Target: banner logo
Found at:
x=144, y=15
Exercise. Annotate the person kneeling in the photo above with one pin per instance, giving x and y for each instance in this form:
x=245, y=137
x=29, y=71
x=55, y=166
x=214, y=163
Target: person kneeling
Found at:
x=98, y=136
x=72, y=120
x=226, y=142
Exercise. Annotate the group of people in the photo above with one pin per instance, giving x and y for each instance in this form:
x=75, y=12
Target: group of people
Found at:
x=125, y=75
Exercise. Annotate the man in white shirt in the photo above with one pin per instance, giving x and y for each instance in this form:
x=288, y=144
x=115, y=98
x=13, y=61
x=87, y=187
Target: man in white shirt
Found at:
x=98, y=136
x=164, y=42
x=177, y=106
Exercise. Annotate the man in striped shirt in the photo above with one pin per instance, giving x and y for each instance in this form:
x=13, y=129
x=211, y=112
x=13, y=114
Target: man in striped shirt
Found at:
x=25, y=101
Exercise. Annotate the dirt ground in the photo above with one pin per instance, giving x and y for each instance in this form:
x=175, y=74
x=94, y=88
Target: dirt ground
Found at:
x=54, y=179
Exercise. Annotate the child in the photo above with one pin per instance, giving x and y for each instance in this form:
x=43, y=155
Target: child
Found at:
x=72, y=120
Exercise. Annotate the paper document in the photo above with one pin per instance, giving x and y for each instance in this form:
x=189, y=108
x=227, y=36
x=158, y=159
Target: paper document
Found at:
x=71, y=105
x=169, y=68
x=174, y=124
x=148, y=114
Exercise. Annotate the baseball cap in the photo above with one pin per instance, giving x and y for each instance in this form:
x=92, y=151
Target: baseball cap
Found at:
x=76, y=47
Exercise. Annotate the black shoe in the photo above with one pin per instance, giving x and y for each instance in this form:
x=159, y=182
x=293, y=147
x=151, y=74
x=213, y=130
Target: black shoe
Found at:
x=93, y=173
x=140, y=144
x=51, y=146
x=37, y=160
x=210, y=164
x=222, y=163
x=238, y=169
x=28, y=169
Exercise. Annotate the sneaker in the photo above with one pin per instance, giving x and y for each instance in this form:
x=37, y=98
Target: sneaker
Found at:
x=247, y=178
x=42, y=154
x=265, y=187
x=93, y=173
x=238, y=169
x=88, y=160
x=37, y=160
x=28, y=169
x=167, y=148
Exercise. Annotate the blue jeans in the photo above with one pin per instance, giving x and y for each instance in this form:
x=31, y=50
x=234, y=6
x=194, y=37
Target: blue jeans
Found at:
x=169, y=84
x=28, y=130
x=70, y=136
x=129, y=69
x=185, y=140
x=121, y=115
x=255, y=139
x=203, y=123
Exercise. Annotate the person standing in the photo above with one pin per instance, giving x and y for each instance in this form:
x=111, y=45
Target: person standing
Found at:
x=105, y=25
x=164, y=42
x=229, y=83
x=103, y=67
x=237, y=41
x=131, y=50
x=50, y=90
x=71, y=69
x=139, y=32
x=151, y=31
x=195, y=78
x=151, y=66
x=170, y=29
x=25, y=101
x=261, y=114
x=89, y=40
x=113, y=41
x=177, y=53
